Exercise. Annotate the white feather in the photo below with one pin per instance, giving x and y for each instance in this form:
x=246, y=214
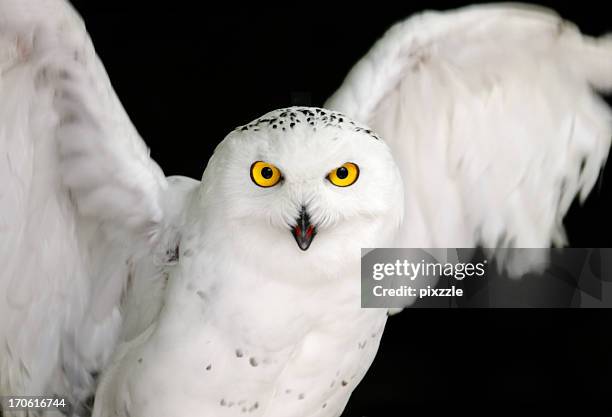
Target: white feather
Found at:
x=490, y=112
x=81, y=203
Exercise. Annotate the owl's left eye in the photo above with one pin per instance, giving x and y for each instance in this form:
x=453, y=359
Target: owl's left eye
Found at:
x=345, y=175
x=265, y=174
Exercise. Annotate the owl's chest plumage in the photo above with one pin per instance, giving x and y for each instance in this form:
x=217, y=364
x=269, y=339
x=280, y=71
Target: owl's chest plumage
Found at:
x=242, y=343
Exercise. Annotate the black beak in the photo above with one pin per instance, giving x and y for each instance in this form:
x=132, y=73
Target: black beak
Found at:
x=303, y=231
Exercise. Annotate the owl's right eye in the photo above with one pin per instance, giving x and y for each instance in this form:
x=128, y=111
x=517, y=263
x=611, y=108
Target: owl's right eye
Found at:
x=265, y=174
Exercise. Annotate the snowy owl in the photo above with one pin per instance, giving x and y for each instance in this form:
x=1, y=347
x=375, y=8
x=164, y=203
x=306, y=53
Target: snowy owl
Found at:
x=240, y=293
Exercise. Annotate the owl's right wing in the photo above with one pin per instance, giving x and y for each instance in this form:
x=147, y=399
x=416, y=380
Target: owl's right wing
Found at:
x=80, y=202
x=493, y=117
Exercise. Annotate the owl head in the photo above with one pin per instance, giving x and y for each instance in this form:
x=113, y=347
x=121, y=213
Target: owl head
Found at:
x=301, y=186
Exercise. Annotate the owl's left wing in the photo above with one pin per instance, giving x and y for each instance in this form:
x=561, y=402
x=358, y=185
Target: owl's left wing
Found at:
x=493, y=118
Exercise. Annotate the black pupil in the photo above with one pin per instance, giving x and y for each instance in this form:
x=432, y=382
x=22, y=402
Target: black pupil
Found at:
x=267, y=172
x=342, y=173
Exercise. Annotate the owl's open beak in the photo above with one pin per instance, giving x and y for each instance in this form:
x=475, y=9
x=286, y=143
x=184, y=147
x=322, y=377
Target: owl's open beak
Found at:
x=303, y=231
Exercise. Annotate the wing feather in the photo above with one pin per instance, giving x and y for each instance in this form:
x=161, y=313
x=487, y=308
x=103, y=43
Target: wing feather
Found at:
x=81, y=201
x=493, y=117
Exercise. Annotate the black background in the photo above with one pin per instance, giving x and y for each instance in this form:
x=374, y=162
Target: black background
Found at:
x=188, y=75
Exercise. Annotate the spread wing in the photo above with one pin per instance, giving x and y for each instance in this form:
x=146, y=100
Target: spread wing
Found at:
x=81, y=200
x=494, y=120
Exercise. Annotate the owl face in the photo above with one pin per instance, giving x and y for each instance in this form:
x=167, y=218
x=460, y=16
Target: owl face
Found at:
x=304, y=182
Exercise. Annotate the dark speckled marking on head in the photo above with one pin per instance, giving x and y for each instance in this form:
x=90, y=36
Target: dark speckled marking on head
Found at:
x=312, y=116
x=301, y=396
x=253, y=362
x=209, y=367
x=239, y=353
x=344, y=383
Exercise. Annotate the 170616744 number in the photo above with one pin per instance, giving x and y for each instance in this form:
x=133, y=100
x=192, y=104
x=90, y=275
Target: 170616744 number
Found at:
x=32, y=403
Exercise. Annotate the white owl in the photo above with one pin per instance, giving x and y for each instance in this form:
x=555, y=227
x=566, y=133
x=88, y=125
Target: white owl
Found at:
x=240, y=294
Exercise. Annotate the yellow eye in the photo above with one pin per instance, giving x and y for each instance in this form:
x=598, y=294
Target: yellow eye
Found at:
x=345, y=175
x=265, y=174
